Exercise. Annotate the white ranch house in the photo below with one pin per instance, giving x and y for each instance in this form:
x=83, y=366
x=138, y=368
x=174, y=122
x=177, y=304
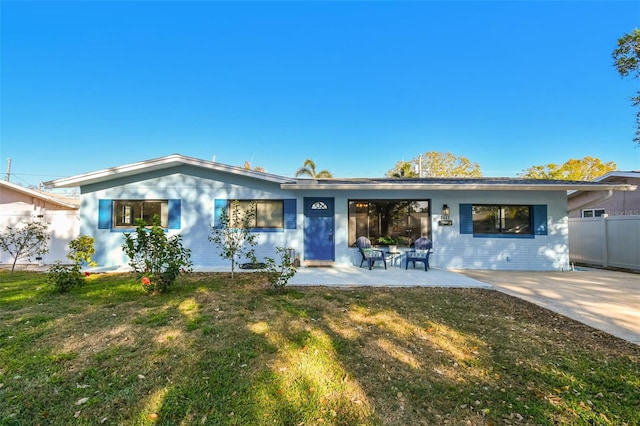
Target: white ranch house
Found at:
x=474, y=223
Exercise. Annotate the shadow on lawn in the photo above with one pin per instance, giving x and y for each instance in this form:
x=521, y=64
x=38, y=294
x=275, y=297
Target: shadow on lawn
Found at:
x=218, y=352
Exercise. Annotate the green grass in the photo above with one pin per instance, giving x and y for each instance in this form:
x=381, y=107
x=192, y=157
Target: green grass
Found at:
x=216, y=351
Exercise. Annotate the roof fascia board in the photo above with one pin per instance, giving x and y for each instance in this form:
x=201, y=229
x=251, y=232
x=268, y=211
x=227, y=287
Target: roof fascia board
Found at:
x=460, y=186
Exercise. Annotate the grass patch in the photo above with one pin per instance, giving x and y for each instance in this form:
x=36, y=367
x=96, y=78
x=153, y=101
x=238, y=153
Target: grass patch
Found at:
x=216, y=351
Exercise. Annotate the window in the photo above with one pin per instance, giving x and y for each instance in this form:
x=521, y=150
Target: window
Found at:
x=404, y=220
x=502, y=219
x=268, y=213
x=593, y=212
x=126, y=212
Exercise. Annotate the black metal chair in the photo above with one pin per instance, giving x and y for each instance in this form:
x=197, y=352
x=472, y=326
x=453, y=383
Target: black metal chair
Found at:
x=368, y=253
x=420, y=253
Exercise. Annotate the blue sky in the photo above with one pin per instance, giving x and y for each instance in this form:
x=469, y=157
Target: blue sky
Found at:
x=356, y=86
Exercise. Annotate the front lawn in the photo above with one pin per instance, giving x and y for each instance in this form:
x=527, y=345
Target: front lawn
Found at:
x=216, y=351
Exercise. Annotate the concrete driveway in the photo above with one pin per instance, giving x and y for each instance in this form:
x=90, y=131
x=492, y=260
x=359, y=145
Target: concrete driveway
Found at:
x=605, y=300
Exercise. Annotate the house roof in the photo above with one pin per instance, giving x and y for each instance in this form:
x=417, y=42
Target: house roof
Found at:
x=489, y=183
x=157, y=164
x=60, y=200
x=608, y=177
x=435, y=184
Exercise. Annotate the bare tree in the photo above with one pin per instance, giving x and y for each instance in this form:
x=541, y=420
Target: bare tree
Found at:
x=233, y=235
x=25, y=241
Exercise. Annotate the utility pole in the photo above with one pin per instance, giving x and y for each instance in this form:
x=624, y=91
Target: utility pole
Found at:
x=8, y=170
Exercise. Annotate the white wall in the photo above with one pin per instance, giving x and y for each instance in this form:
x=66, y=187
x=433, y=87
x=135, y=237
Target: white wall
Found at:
x=198, y=195
x=453, y=250
x=63, y=226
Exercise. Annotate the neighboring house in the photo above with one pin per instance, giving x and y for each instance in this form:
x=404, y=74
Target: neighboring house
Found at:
x=474, y=223
x=612, y=203
x=60, y=213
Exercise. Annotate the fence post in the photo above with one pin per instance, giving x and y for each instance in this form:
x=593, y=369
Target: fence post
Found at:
x=605, y=241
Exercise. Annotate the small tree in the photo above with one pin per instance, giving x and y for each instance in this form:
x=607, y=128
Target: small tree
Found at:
x=81, y=251
x=25, y=241
x=233, y=236
x=158, y=258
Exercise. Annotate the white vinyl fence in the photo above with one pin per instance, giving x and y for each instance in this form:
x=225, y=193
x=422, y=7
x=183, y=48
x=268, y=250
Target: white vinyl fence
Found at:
x=612, y=241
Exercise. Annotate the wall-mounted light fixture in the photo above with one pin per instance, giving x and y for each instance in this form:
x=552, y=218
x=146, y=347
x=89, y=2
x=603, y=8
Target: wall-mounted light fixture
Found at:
x=445, y=218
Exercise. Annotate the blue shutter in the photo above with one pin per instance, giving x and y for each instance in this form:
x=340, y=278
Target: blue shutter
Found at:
x=105, y=214
x=219, y=204
x=290, y=214
x=539, y=219
x=466, y=218
x=174, y=213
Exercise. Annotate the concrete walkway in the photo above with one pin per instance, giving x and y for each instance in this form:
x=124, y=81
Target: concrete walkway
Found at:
x=352, y=276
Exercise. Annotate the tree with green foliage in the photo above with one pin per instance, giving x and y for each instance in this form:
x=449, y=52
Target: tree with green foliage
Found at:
x=436, y=164
x=309, y=169
x=81, y=251
x=626, y=59
x=25, y=241
x=587, y=169
x=64, y=277
x=156, y=256
x=233, y=236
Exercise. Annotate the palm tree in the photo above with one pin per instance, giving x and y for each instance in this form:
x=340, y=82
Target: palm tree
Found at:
x=309, y=169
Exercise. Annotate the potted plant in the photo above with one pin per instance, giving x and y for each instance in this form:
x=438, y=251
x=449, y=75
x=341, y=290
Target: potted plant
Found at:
x=389, y=241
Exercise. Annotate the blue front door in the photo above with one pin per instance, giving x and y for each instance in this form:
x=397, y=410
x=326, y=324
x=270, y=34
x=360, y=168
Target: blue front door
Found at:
x=319, y=229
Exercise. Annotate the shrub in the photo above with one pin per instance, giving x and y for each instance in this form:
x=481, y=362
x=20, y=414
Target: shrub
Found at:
x=279, y=273
x=64, y=277
x=81, y=251
x=158, y=258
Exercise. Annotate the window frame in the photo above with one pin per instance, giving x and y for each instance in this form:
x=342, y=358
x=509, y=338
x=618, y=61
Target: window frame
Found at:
x=594, y=212
x=355, y=229
x=245, y=203
x=501, y=222
x=118, y=204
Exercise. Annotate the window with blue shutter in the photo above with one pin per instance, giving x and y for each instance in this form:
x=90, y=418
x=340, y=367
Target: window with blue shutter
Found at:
x=503, y=221
x=466, y=218
x=122, y=215
x=540, y=219
x=290, y=214
x=269, y=215
x=174, y=213
x=105, y=214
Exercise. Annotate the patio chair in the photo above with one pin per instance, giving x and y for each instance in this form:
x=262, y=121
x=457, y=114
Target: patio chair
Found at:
x=420, y=253
x=368, y=253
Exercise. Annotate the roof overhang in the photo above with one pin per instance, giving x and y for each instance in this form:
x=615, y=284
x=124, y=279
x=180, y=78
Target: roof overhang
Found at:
x=457, y=186
x=50, y=198
x=154, y=165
